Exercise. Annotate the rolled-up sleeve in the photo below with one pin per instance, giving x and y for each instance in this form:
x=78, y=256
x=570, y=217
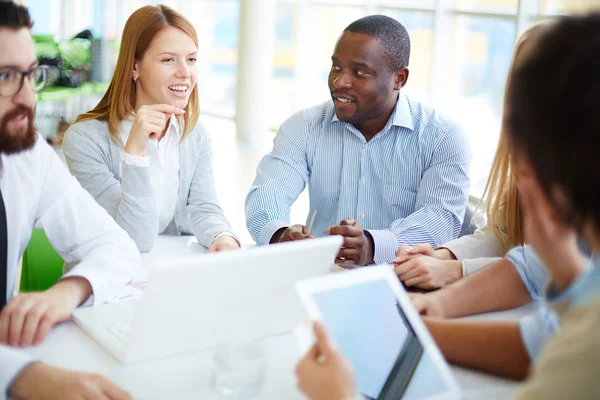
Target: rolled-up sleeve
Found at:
x=482, y=243
x=531, y=269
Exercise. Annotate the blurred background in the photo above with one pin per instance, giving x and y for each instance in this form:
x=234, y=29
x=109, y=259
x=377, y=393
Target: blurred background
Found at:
x=262, y=60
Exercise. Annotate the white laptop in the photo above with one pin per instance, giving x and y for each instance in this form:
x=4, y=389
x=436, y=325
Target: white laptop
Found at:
x=190, y=303
x=373, y=323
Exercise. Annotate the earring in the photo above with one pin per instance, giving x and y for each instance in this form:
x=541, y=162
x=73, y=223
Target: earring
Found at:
x=134, y=79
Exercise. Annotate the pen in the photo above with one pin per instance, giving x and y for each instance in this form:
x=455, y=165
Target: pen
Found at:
x=311, y=223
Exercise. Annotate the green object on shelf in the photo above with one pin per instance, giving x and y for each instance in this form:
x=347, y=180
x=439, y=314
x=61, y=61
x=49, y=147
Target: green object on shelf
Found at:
x=43, y=38
x=47, y=49
x=59, y=93
x=42, y=266
x=75, y=53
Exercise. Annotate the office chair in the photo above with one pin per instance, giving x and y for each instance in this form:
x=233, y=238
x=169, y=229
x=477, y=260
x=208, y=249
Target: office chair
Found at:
x=42, y=266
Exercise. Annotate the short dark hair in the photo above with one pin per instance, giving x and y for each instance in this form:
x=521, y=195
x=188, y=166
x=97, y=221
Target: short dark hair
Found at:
x=553, y=115
x=393, y=36
x=14, y=16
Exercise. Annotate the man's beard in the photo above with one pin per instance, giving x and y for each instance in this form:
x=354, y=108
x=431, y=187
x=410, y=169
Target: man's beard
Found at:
x=17, y=140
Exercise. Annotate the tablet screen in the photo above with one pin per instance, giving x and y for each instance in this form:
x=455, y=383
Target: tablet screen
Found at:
x=371, y=330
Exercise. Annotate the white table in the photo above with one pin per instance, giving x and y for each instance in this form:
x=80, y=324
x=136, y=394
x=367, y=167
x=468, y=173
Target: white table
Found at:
x=189, y=376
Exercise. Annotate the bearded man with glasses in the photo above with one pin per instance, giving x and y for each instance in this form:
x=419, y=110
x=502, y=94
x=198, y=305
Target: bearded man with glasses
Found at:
x=37, y=190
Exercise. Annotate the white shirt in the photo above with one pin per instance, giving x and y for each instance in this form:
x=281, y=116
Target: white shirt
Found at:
x=163, y=159
x=39, y=191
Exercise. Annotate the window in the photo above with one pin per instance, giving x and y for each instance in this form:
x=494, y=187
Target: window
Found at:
x=460, y=53
x=488, y=6
x=419, y=26
x=216, y=23
x=481, y=52
x=549, y=7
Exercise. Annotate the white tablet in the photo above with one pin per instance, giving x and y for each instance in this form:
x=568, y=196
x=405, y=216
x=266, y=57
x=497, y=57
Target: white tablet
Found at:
x=373, y=323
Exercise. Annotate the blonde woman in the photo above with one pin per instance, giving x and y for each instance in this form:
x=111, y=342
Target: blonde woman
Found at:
x=141, y=152
x=421, y=266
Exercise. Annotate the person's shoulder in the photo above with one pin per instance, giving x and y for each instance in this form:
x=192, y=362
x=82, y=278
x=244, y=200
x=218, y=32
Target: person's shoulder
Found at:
x=90, y=126
x=92, y=129
x=197, y=137
x=310, y=118
x=428, y=120
x=579, y=325
x=35, y=161
x=37, y=154
x=199, y=130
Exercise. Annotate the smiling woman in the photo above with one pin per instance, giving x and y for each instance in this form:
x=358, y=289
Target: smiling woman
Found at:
x=141, y=152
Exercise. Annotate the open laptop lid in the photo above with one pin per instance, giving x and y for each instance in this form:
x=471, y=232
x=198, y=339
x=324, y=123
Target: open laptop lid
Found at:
x=192, y=302
x=375, y=326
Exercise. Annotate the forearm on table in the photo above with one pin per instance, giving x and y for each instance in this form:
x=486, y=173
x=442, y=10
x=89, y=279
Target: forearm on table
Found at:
x=492, y=347
x=493, y=288
x=74, y=289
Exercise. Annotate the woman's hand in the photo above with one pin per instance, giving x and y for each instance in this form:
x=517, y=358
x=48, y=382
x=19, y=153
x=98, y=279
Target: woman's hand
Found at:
x=224, y=243
x=427, y=272
x=408, y=252
x=149, y=123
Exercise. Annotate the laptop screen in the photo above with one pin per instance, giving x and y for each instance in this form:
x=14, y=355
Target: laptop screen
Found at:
x=371, y=330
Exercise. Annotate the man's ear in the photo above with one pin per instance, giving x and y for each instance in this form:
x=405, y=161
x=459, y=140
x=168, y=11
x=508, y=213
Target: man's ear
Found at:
x=400, y=78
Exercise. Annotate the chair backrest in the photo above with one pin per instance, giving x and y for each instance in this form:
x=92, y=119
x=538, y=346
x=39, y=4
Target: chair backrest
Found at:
x=468, y=226
x=42, y=266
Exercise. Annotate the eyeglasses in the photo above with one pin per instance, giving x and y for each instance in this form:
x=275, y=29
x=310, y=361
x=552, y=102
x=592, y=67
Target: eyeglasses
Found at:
x=11, y=80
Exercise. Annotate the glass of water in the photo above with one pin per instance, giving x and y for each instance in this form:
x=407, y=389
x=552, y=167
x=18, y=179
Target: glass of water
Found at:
x=239, y=368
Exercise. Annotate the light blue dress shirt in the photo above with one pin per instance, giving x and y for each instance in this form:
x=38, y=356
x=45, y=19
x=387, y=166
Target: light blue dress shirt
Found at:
x=538, y=328
x=532, y=270
x=409, y=184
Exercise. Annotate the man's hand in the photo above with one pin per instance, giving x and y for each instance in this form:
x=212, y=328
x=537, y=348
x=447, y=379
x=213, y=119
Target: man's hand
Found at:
x=323, y=373
x=358, y=245
x=28, y=318
x=224, y=243
x=41, y=381
x=427, y=304
x=553, y=241
x=294, y=232
x=428, y=272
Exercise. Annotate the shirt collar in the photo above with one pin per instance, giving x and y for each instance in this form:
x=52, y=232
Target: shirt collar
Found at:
x=401, y=115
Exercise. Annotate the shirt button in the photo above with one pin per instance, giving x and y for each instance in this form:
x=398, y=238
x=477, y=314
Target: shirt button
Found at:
x=364, y=213
x=364, y=180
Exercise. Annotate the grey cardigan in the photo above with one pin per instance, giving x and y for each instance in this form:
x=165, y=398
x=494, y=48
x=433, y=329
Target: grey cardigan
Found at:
x=125, y=191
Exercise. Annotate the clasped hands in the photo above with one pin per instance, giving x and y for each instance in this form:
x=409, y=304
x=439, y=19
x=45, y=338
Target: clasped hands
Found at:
x=357, y=249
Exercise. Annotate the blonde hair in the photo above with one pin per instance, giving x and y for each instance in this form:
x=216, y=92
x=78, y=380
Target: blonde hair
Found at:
x=118, y=102
x=501, y=195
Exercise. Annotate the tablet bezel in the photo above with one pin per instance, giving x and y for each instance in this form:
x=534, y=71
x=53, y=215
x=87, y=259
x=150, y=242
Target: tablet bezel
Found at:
x=307, y=287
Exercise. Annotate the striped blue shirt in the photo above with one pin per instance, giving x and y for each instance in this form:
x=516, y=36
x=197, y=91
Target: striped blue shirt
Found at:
x=409, y=184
